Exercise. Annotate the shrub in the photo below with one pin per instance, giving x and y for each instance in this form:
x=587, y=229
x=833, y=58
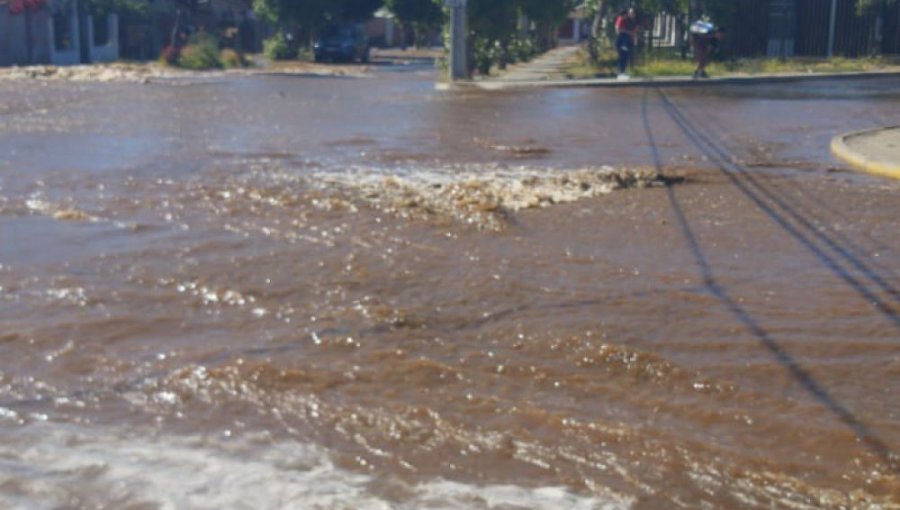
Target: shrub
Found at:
x=484, y=55
x=198, y=58
x=202, y=53
x=170, y=55
x=230, y=58
x=522, y=49
x=279, y=47
x=306, y=55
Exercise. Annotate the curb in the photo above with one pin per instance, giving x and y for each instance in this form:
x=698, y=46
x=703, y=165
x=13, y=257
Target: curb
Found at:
x=858, y=160
x=495, y=85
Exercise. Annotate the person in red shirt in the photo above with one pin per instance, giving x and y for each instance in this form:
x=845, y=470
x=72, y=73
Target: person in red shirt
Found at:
x=627, y=29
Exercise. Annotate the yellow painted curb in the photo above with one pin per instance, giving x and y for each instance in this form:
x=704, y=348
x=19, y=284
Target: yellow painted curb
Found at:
x=856, y=159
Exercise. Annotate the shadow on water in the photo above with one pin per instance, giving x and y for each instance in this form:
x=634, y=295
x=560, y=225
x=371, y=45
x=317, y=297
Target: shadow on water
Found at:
x=807, y=217
x=805, y=231
x=815, y=388
x=809, y=211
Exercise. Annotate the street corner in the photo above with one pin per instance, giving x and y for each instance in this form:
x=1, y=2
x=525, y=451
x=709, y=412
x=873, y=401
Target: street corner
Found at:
x=875, y=151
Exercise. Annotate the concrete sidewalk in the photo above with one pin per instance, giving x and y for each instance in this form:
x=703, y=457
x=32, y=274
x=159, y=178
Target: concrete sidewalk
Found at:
x=547, y=67
x=549, y=70
x=673, y=81
x=875, y=151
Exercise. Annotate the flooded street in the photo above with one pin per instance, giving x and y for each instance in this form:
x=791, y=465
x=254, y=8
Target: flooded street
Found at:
x=299, y=292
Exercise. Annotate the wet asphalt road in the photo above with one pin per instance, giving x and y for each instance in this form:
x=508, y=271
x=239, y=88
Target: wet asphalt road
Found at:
x=749, y=310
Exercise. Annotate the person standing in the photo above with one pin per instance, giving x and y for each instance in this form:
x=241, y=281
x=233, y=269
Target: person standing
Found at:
x=626, y=28
x=705, y=39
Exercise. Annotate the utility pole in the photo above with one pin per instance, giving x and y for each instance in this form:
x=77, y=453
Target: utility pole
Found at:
x=832, y=27
x=458, y=68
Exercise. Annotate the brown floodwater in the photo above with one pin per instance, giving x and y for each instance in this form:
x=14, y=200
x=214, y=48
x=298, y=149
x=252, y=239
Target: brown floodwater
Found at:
x=282, y=292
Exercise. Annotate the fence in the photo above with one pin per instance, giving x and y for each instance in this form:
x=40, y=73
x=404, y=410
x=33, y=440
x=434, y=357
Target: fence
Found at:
x=799, y=28
x=875, y=32
x=802, y=28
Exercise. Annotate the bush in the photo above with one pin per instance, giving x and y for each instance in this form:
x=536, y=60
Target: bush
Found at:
x=279, y=47
x=306, y=55
x=521, y=50
x=484, y=55
x=230, y=59
x=198, y=58
x=170, y=55
x=202, y=53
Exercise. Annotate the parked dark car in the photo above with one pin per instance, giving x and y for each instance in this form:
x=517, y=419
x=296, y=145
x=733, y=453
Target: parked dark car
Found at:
x=342, y=43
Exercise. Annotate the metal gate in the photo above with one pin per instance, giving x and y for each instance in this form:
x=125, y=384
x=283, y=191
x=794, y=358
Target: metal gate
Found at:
x=756, y=25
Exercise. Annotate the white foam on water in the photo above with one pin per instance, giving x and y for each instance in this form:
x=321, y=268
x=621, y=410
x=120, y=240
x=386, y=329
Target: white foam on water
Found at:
x=480, y=195
x=452, y=495
x=52, y=466
x=515, y=188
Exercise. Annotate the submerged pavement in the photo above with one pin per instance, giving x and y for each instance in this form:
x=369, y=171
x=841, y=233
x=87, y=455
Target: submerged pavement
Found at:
x=277, y=291
x=875, y=151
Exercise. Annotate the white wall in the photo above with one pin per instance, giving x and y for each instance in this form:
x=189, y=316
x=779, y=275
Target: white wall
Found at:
x=69, y=57
x=108, y=52
x=14, y=38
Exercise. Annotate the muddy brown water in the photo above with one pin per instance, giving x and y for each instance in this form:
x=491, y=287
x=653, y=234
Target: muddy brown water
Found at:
x=362, y=293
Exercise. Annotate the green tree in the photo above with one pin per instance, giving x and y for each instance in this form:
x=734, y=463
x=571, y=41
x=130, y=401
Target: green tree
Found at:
x=292, y=14
x=547, y=15
x=869, y=5
x=127, y=8
x=491, y=24
x=305, y=17
x=596, y=11
x=352, y=10
x=493, y=28
x=420, y=15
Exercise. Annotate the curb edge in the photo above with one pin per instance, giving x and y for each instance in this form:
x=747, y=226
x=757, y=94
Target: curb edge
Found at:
x=856, y=159
x=492, y=85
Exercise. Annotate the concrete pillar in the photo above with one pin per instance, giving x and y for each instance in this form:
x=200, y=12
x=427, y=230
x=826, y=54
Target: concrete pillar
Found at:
x=832, y=25
x=88, y=40
x=113, y=23
x=51, y=36
x=75, y=27
x=458, y=67
x=5, y=41
x=389, y=32
x=108, y=52
x=71, y=56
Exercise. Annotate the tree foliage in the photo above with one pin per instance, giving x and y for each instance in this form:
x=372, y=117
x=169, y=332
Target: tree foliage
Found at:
x=498, y=36
x=353, y=10
x=310, y=15
x=684, y=11
x=416, y=11
x=870, y=5
x=550, y=12
x=420, y=15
